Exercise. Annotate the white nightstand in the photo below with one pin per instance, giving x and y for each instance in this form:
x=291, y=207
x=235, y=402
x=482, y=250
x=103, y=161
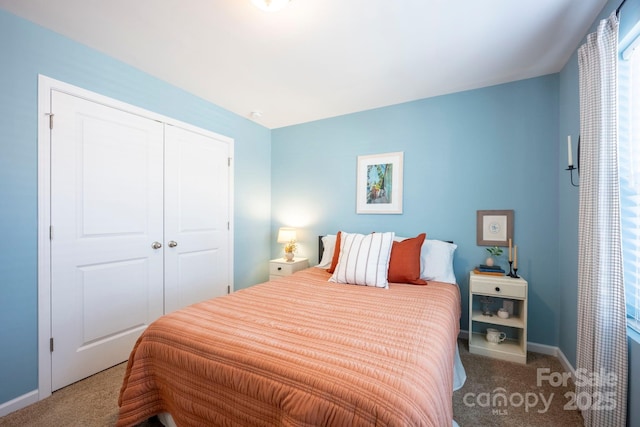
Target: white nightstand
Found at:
x=281, y=267
x=499, y=289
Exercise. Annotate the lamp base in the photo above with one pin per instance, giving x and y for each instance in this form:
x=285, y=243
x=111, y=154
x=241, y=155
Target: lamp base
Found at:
x=288, y=256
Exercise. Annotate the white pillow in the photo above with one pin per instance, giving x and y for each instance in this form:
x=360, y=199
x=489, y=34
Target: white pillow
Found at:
x=328, y=246
x=364, y=260
x=436, y=261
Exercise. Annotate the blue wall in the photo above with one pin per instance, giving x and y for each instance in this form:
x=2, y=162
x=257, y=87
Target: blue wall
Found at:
x=491, y=148
x=568, y=212
x=28, y=50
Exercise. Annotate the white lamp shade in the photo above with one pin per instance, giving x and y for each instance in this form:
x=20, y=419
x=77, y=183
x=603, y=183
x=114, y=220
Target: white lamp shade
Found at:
x=270, y=5
x=286, y=234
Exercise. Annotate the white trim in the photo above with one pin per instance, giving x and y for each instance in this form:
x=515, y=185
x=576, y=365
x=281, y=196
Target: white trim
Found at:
x=565, y=363
x=630, y=42
x=45, y=86
x=549, y=350
x=543, y=349
x=19, y=403
x=628, y=51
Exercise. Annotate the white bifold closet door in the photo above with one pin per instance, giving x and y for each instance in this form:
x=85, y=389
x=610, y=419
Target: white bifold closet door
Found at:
x=139, y=216
x=196, y=218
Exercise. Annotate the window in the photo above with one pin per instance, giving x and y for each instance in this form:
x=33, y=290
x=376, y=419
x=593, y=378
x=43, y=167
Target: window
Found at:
x=629, y=164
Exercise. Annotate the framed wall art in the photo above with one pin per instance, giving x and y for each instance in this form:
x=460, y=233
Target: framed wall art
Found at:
x=379, y=184
x=494, y=228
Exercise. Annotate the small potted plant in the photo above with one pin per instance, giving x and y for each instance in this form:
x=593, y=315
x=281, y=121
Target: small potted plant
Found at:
x=494, y=251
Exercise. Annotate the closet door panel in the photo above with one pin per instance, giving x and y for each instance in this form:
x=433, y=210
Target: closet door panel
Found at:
x=196, y=217
x=106, y=211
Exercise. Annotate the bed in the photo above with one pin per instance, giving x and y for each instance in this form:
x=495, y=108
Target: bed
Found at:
x=302, y=350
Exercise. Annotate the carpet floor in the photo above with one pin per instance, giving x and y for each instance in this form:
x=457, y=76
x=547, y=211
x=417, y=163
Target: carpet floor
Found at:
x=530, y=399
x=93, y=402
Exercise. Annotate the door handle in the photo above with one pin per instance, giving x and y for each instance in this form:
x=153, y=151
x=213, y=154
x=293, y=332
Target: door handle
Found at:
x=156, y=245
x=172, y=244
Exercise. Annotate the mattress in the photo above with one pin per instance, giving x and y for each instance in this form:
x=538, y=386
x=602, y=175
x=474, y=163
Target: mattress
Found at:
x=300, y=351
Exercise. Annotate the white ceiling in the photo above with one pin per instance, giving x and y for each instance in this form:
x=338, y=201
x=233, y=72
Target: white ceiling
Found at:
x=324, y=58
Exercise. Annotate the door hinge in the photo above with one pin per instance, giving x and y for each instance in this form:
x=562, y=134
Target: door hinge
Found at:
x=51, y=232
x=228, y=289
x=228, y=226
x=51, y=344
x=50, y=120
x=229, y=161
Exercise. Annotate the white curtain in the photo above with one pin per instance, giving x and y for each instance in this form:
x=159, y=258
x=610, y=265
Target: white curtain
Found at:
x=602, y=337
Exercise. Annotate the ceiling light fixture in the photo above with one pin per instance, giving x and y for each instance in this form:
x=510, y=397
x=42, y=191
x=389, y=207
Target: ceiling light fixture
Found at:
x=270, y=5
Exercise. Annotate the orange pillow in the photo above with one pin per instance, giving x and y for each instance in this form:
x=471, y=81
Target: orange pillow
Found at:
x=404, y=265
x=336, y=255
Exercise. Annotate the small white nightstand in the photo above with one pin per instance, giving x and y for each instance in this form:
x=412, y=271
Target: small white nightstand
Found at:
x=498, y=289
x=281, y=267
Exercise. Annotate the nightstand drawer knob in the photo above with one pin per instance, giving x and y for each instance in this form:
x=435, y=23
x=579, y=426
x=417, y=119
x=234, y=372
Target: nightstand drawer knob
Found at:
x=279, y=268
x=497, y=289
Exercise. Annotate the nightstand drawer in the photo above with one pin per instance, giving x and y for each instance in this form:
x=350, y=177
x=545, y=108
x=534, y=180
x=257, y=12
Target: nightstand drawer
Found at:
x=280, y=267
x=499, y=288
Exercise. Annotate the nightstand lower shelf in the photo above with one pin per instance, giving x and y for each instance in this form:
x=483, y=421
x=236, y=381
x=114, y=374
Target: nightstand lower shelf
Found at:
x=488, y=294
x=510, y=350
x=512, y=322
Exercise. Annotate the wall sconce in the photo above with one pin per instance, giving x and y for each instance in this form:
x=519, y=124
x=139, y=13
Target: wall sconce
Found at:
x=288, y=236
x=571, y=167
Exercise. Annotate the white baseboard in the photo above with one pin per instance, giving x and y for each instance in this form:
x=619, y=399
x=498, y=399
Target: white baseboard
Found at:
x=542, y=349
x=18, y=403
x=565, y=363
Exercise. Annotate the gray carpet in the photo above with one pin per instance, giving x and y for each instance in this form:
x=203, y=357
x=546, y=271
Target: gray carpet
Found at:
x=475, y=404
x=93, y=401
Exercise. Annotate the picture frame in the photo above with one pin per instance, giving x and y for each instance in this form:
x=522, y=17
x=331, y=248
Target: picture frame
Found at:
x=379, y=183
x=494, y=227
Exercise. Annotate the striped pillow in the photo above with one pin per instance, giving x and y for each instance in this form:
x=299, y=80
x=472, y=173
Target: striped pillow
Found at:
x=364, y=260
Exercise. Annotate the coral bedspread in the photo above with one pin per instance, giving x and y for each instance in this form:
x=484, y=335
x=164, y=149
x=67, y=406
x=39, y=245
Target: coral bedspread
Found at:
x=300, y=351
